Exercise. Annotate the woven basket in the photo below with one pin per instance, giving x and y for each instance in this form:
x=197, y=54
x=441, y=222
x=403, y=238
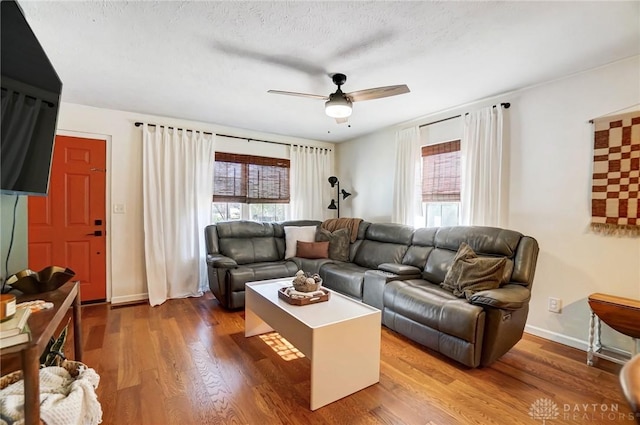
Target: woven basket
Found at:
x=71, y=366
x=307, y=287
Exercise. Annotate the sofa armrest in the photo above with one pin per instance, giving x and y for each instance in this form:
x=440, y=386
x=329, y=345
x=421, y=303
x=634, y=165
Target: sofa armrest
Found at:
x=220, y=261
x=402, y=270
x=311, y=265
x=507, y=297
x=376, y=280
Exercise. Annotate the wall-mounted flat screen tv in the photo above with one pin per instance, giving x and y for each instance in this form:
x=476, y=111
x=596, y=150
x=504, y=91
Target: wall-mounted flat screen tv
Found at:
x=30, y=93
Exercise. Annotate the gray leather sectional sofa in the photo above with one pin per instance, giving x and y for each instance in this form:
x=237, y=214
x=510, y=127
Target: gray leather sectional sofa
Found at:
x=398, y=270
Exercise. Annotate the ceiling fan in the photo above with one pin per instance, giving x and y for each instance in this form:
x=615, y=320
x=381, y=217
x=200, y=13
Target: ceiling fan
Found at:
x=338, y=104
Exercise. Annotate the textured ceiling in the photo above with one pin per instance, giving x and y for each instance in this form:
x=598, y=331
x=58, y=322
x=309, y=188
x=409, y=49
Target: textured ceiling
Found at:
x=215, y=61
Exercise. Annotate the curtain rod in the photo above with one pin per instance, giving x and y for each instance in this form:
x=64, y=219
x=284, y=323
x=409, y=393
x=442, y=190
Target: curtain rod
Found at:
x=506, y=105
x=248, y=139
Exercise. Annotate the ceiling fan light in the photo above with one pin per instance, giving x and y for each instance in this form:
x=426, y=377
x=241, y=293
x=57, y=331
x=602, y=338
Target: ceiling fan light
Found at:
x=338, y=108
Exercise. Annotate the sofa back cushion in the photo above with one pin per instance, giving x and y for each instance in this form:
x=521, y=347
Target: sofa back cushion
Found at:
x=362, y=233
x=421, y=246
x=524, y=263
x=383, y=243
x=211, y=239
x=485, y=241
x=248, y=241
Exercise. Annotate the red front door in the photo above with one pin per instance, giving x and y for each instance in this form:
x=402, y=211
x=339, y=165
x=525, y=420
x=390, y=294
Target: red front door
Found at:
x=67, y=227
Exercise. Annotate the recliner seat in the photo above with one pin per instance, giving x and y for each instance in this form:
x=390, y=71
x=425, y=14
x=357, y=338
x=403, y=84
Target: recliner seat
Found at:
x=381, y=243
x=477, y=331
x=244, y=251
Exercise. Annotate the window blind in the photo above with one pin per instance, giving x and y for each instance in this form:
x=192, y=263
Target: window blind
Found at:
x=250, y=179
x=441, y=172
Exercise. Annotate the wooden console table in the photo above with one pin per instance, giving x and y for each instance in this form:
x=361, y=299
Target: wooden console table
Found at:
x=621, y=314
x=43, y=324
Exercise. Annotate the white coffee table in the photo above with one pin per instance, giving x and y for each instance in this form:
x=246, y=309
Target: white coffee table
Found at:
x=341, y=337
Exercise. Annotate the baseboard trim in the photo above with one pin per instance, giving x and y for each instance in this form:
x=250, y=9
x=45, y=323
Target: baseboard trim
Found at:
x=557, y=337
x=129, y=299
x=566, y=340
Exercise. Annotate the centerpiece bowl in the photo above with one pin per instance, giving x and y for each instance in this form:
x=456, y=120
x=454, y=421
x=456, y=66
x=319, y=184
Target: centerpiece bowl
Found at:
x=48, y=279
x=307, y=282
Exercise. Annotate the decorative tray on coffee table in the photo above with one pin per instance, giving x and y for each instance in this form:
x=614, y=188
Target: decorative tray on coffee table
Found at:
x=303, y=301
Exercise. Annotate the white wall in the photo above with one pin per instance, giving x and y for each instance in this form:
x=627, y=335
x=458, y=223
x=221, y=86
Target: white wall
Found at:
x=366, y=165
x=18, y=256
x=440, y=132
x=550, y=168
x=365, y=168
x=125, y=261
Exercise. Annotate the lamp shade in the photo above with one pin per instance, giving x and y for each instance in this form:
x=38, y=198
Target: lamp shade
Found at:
x=345, y=194
x=338, y=107
x=332, y=205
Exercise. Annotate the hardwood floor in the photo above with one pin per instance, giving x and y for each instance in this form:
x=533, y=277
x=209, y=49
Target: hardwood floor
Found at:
x=188, y=362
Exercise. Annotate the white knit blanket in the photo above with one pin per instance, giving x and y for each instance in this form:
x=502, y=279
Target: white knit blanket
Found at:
x=63, y=399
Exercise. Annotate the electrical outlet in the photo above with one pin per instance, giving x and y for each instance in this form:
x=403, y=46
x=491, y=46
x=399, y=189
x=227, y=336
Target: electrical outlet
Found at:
x=555, y=305
x=119, y=209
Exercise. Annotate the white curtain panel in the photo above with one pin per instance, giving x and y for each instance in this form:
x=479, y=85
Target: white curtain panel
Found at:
x=406, y=186
x=483, y=195
x=177, y=200
x=311, y=168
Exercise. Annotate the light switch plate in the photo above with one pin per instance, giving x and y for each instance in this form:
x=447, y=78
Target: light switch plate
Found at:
x=118, y=209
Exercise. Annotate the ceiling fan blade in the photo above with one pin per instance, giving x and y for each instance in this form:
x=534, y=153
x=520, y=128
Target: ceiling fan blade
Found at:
x=291, y=93
x=377, y=93
x=342, y=120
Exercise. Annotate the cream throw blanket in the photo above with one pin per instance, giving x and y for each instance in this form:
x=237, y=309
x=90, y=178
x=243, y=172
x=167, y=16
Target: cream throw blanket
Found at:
x=63, y=399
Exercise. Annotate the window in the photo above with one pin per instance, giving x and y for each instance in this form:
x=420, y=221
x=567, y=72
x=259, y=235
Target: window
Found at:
x=225, y=211
x=441, y=213
x=441, y=184
x=250, y=187
x=267, y=212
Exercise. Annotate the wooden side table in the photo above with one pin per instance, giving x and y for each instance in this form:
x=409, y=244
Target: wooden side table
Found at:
x=43, y=324
x=621, y=314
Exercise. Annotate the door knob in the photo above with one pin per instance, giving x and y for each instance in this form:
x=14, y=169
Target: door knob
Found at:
x=96, y=233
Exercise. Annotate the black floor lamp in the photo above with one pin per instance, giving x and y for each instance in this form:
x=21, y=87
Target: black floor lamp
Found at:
x=335, y=205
